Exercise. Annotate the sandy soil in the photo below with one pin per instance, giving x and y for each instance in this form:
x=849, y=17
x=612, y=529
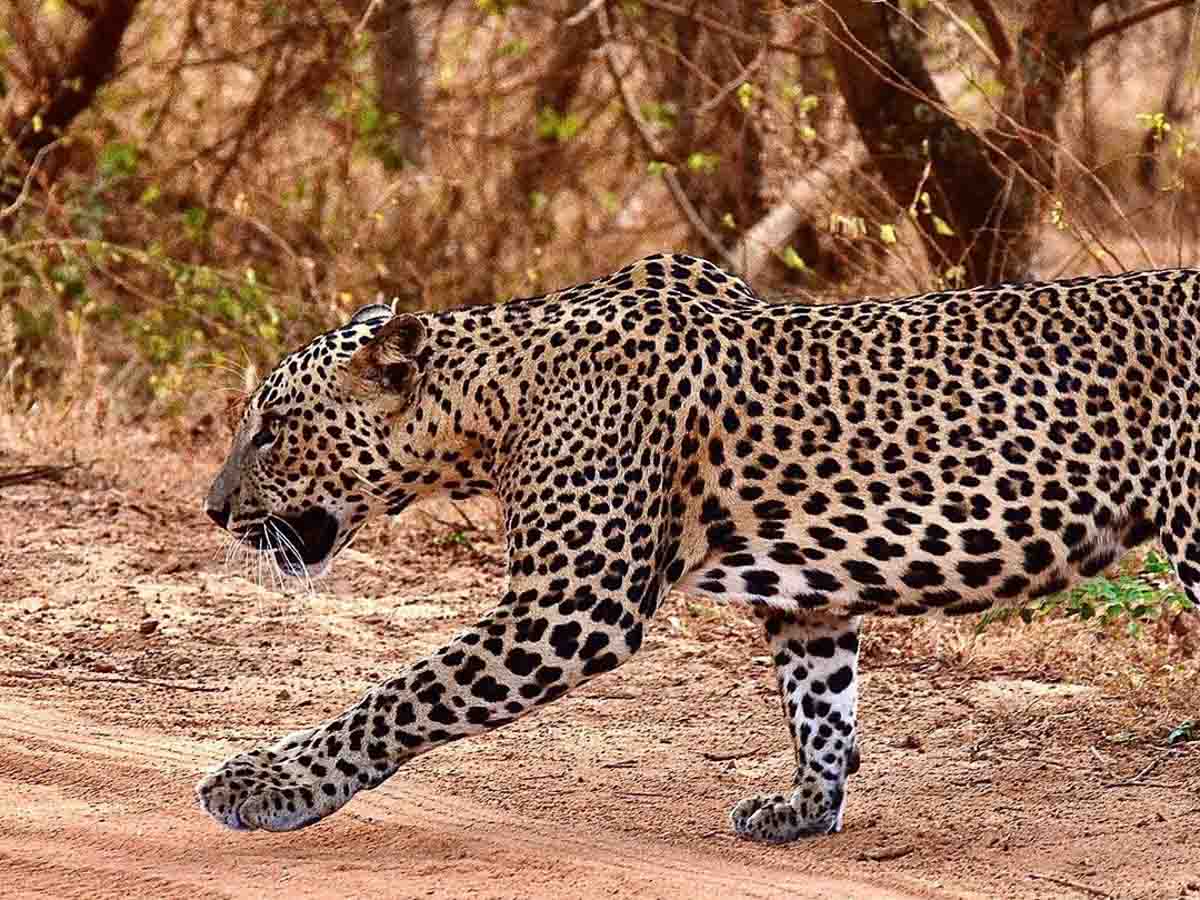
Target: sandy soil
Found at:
x=131, y=660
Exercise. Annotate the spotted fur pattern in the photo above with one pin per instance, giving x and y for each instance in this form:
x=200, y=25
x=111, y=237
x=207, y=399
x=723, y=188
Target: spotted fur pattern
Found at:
x=664, y=427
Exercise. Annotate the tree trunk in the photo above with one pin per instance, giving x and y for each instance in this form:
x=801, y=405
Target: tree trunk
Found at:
x=983, y=190
x=399, y=81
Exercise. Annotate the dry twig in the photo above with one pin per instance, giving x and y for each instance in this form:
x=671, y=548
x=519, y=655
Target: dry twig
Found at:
x=725, y=757
x=11, y=475
x=885, y=854
x=118, y=679
x=1129, y=21
x=13, y=207
x=1001, y=45
x=1087, y=889
x=1136, y=780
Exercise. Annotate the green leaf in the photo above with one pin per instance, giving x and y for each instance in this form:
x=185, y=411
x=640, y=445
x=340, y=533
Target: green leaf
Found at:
x=515, y=48
x=118, y=159
x=552, y=125
x=662, y=115
x=1157, y=565
x=703, y=162
x=941, y=227
x=746, y=93
x=792, y=259
x=499, y=8
x=887, y=233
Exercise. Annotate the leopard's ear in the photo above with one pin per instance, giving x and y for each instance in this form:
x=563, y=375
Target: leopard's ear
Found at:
x=387, y=362
x=372, y=312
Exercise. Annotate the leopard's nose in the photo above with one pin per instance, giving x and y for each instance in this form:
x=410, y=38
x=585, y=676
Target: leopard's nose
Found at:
x=220, y=516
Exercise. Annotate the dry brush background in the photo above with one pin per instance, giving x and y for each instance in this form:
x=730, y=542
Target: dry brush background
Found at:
x=191, y=185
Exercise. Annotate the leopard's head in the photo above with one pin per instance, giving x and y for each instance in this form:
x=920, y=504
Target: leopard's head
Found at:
x=337, y=433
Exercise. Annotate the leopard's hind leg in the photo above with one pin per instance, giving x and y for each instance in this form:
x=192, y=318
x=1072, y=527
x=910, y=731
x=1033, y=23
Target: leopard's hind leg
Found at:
x=816, y=666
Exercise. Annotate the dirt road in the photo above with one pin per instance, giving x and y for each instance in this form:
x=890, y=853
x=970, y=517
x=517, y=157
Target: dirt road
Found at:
x=130, y=661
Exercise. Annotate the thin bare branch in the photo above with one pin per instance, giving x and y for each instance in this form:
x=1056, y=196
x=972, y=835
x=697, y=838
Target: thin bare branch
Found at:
x=1075, y=885
x=366, y=18
x=1001, y=45
x=1155, y=9
x=582, y=16
x=971, y=34
x=13, y=207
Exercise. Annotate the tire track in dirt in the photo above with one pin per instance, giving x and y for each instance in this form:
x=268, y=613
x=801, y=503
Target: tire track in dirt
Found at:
x=98, y=811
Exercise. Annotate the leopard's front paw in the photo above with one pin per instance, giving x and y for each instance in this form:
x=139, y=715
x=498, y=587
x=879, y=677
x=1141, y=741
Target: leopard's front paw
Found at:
x=282, y=788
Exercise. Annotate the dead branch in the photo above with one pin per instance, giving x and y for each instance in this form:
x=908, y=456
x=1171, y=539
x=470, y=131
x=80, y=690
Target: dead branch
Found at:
x=23, y=194
x=471, y=526
x=885, y=854
x=1001, y=45
x=1155, y=9
x=768, y=234
x=1062, y=882
x=1137, y=780
x=726, y=757
x=588, y=10
x=970, y=33
x=367, y=13
x=12, y=475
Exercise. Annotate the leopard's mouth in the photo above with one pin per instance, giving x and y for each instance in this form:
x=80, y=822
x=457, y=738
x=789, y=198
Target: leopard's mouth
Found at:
x=301, y=545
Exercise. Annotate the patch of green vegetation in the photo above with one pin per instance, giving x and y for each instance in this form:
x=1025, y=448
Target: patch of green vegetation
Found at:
x=457, y=538
x=1131, y=600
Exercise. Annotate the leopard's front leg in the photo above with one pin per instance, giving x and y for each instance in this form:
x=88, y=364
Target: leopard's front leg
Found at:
x=546, y=636
x=816, y=666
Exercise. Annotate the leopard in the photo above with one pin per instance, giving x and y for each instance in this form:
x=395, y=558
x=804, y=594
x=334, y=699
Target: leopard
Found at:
x=664, y=427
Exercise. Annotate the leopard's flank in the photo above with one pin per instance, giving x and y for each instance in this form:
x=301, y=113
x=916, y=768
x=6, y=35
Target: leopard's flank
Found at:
x=666, y=428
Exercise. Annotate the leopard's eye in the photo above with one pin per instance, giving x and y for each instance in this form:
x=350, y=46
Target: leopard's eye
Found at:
x=268, y=429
